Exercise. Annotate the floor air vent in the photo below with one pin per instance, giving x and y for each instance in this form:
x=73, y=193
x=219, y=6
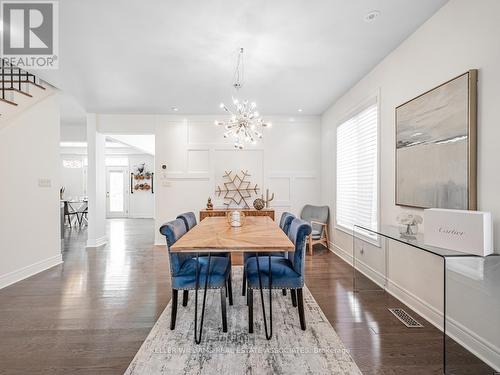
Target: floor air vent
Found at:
x=405, y=318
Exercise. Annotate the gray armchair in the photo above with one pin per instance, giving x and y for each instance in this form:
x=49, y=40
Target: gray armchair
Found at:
x=317, y=216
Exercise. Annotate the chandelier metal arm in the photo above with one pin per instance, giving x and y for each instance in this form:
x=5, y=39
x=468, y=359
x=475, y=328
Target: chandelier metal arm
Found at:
x=244, y=124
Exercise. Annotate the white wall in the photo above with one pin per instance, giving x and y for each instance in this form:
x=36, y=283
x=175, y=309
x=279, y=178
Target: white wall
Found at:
x=287, y=161
x=74, y=180
x=29, y=214
x=96, y=188
x=73, y=132
x=141, y=202
x=462, y=35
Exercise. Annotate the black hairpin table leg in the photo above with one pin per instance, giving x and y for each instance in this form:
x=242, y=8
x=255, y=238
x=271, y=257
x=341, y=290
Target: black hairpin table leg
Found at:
x=197, y=337
x=269, y=333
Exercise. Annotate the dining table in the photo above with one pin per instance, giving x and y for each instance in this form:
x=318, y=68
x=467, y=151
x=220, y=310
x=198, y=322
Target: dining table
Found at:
x=258, y=234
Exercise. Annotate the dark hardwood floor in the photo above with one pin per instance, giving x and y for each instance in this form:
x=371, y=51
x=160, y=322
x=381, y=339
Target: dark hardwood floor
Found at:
x=91, y=314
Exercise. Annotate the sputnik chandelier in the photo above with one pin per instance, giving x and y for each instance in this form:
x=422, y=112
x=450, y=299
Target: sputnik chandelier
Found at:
x=244, y=124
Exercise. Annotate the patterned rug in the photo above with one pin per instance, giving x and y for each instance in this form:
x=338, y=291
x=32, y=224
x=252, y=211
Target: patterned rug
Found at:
x=318, y=350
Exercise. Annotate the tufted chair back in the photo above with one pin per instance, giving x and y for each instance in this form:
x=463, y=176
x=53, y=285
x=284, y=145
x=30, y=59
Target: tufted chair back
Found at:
x=173, y=230
x=298, y=232
x=286, y=219
x=315, y=213
x=189, y=219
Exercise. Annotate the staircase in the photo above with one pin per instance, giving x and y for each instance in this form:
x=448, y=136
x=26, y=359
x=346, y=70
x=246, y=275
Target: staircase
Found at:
x=19, y=90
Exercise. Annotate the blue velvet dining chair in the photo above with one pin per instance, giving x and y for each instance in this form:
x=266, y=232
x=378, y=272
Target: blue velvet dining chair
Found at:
x=183, y=270
x=286, y=273
x=286, y=219
x=189, y=219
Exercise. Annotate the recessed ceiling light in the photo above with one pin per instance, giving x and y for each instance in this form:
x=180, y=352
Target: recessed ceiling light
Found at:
x=175, y=109
x=300, y=109
x=370, y=16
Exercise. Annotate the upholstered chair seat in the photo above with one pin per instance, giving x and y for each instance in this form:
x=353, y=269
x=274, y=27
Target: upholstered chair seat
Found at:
x=316, y=234
x=184, y=268
x=185, y=277
x=286, y=273
x=284, y=276
x=286, y=219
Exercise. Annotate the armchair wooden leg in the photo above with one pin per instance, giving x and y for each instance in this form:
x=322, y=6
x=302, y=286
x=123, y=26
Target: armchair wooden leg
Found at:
x=294, y=297
x=174, y=309
x=250, y=309
x=327, y=237
x=185, y=297
x=223, y=308
x=230, y=289
x=302, y=318
x=310, y=240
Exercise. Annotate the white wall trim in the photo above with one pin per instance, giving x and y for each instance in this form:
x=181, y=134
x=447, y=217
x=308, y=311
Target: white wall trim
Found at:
x=483, y=349
x=25, y=272
x=478, y=346
x=139, y=215
x=187, y=176
x=344, y=255
x=101, y=241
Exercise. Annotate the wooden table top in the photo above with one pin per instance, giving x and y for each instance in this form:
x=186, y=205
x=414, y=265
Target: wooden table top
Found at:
x=214, y=234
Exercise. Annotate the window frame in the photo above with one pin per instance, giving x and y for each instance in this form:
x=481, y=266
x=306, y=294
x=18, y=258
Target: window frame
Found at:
x=371, y=99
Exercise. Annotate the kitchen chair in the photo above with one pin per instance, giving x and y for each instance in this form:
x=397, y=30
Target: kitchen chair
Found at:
x=184, y=268
x=70, y=213
x=189, y=219
x=286, y=219
x=317, y=216
x=83, y=210
x=286, y=273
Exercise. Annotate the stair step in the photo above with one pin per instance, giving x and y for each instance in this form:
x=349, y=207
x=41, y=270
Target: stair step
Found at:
x=8, y=101
x=18, y=91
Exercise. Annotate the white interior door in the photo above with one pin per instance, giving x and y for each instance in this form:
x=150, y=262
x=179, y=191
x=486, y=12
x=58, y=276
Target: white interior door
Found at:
x=117, y=192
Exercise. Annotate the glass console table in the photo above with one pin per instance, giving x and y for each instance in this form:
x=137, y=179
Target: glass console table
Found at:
x=461, y=292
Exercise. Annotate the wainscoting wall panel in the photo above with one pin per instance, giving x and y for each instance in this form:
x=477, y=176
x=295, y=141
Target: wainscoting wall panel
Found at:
x=286, y=162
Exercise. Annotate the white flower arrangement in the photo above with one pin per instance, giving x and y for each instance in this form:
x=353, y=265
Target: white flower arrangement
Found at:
x=407, y=218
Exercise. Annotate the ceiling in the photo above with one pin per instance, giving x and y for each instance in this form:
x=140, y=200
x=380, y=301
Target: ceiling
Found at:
x=147, y=57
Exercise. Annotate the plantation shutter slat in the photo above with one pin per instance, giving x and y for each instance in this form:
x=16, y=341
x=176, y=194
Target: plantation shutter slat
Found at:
x=357, y=195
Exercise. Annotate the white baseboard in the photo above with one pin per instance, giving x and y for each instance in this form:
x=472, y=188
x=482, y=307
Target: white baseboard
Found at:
x=98, y=242
x=25, y=272
x=483, y=349
x=344, y=255
x=140, y=216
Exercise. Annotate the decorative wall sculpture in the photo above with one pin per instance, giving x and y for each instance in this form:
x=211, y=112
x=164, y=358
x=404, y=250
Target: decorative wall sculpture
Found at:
x=436, y=146
x=237, y=189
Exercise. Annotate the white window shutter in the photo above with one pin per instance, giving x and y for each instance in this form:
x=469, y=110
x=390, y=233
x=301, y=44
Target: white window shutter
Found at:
x=357, y=170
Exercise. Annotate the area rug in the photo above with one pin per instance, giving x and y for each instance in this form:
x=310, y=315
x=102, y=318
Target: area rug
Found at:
x=318, y=350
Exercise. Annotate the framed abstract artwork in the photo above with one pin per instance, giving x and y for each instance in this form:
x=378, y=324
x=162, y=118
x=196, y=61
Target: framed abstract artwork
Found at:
x=436, y=146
